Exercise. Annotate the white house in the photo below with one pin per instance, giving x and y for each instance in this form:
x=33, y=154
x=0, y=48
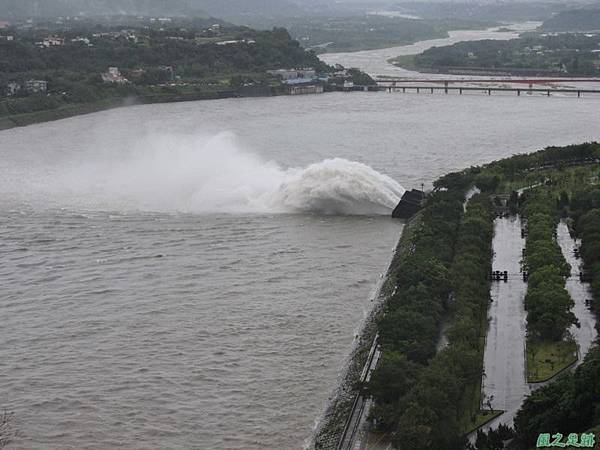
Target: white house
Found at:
x=113, y=75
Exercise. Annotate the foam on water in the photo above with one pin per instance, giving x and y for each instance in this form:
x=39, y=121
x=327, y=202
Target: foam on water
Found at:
x=204, y=175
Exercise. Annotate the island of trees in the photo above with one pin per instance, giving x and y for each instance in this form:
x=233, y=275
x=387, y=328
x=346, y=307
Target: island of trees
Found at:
x=567, y=54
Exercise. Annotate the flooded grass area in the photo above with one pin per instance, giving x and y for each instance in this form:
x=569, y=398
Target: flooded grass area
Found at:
x=546, y=359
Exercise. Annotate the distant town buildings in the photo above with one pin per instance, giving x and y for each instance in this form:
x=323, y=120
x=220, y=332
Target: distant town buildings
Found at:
x=299, y=81
x=293, y=74
x=112, y=35
x=129, y=35
x=12, y=89
x=82, y=40
x=7, y=38
x=4, y=24
x=30, y=87
x=245, y=41
x=53, y=41
x=161, y=20
x=36, y=86
x=113, y=75
x=302, y=89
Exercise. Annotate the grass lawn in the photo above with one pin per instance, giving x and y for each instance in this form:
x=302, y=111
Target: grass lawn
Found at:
x=545, y=359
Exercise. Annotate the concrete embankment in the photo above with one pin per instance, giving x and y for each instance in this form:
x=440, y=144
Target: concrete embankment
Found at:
x=346, y=410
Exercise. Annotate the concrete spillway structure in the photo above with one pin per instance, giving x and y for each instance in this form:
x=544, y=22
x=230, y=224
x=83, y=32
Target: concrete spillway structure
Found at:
x=410, y=203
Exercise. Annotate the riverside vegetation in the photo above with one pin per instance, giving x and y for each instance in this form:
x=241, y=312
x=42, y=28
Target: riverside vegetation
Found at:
x=572, y=402
x=367, y=32
x=568, y=54
x=434, y=397
x=547, y=301
x=183, y=59
x=425, y=397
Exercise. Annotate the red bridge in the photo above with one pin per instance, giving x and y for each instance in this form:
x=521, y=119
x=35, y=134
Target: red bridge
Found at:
x=530, y=81
x=468, y=85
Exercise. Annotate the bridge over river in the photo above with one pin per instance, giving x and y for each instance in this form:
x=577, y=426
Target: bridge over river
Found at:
x=490, y=85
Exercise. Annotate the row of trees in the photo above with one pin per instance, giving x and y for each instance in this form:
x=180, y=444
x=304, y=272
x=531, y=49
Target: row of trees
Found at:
x=410, y=326
x=422, y=396
x=442, y=401
x=519, y=167
x=588, y=227
x=426, y=398
x=571, y=403
x=549, y=305
x=421, y=298
x=547, y=302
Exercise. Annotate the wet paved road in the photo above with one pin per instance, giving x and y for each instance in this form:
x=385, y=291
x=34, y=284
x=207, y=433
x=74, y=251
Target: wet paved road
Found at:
x=504, y=381
x=586, y=333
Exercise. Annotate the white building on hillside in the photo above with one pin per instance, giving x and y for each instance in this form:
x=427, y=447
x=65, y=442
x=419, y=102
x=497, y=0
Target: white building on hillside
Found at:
x=113, y=75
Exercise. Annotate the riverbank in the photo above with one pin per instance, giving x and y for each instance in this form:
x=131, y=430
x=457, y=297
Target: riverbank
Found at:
x=21, y=120
x=375, y=62
x=351, y=59
x=410, y=62
x=401, y=384
x=372, y=31
x=530, y=55
x=330, y=429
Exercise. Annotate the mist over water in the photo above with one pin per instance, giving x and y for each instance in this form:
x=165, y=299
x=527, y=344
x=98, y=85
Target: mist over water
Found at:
x=207, y=174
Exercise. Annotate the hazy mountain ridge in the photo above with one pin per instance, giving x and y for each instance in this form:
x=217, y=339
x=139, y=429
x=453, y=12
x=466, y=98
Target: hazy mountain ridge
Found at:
x=582, y=19
x=18, y=9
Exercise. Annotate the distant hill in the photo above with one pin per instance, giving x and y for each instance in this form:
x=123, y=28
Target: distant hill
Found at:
x=237, y=10
x=584, y=19
x=461, y=9
x=18, y=9
x=227, y=9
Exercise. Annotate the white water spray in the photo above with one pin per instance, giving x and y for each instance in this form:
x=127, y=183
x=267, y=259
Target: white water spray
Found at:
x=206, y=175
